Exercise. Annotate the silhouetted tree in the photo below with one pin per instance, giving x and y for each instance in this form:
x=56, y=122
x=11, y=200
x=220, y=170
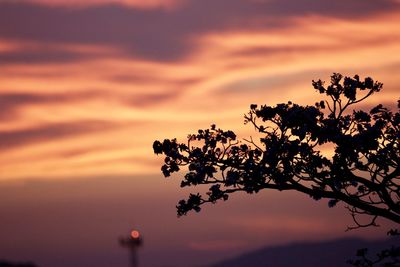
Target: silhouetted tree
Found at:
x=386, y=258
x=363, y=171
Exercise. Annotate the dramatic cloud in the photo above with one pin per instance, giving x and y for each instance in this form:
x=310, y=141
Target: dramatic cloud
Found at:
x=154, y=73
x=87, y=86
x=38, y=52
x=166, y=35
x=48, y=133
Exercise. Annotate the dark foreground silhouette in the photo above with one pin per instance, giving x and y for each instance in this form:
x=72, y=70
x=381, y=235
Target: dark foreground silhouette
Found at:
x=363, y=172
x=307, y=254
x=9, y=264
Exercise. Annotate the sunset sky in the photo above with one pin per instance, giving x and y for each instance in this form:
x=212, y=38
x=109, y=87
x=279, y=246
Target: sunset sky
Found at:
x=87, y=86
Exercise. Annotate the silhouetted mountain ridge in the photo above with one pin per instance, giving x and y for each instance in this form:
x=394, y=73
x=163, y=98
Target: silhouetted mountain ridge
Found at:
x=332, y=253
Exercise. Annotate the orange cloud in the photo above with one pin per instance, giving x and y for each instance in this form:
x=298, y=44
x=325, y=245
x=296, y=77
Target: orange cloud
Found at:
x=143, y=99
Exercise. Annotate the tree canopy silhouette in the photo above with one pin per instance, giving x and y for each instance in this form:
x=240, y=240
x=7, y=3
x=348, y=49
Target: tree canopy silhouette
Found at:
x=363, y=171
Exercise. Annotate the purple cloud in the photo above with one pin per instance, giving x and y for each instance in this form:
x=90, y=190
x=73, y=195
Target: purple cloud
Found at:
x=49, y=132
x=158, y=34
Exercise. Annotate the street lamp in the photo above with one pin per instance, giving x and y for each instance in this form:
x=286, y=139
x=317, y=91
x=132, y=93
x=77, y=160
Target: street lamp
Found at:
x=132, y=242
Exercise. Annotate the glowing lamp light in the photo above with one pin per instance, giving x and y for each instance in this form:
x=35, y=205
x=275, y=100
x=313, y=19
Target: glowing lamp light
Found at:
x=135, y=234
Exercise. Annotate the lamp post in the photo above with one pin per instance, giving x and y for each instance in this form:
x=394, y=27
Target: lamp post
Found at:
x=132, y=242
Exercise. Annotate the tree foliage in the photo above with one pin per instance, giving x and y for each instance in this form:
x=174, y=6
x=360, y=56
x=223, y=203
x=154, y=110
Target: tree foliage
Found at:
x=386, y=258
x=363, y=171
x=389, y=257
